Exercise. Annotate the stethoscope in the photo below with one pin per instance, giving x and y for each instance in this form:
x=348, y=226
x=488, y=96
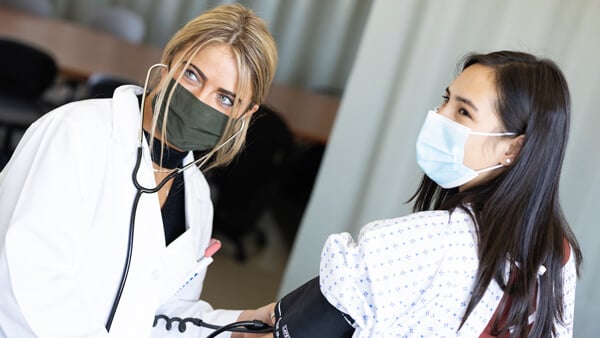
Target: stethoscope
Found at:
x=140, y=189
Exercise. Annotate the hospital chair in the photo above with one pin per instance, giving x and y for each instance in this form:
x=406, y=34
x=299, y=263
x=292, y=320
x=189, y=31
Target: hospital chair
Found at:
x=245, y=189
x=26, y=74
x=101, y=85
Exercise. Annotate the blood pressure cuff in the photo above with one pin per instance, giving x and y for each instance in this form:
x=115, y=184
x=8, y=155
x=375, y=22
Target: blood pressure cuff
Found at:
x=306, y=313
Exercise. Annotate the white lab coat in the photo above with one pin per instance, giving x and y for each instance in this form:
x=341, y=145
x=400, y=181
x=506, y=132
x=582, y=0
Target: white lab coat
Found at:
x=65, y=202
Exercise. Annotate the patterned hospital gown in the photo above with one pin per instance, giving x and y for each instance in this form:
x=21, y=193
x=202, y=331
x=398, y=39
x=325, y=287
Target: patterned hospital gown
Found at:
x=413, y=276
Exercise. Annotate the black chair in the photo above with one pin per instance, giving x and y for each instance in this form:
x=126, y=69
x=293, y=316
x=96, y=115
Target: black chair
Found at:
x=26, y=73
x=101, y=85
x=244, y=189
x=295, y=187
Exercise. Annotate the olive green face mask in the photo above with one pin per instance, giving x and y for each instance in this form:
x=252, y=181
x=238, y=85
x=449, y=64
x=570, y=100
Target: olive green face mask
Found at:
x=191, y=124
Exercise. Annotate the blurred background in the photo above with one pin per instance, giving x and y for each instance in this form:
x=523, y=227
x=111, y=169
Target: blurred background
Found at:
x=333, y=147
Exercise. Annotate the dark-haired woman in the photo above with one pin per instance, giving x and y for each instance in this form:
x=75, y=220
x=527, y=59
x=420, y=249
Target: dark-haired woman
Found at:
x=488, y=252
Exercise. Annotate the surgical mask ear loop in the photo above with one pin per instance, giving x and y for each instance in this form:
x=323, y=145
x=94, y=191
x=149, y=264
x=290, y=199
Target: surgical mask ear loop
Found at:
x=494, y=167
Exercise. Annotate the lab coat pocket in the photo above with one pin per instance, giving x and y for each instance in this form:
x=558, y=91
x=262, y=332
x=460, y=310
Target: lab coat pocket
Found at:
x=191, y=286
x=180, y=260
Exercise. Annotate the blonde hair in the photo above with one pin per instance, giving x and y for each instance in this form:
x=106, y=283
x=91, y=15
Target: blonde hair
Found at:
x=254, y=49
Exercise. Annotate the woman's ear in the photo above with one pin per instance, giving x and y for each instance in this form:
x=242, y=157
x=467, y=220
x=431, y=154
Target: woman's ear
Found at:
x=514, y=148
x=251, y=110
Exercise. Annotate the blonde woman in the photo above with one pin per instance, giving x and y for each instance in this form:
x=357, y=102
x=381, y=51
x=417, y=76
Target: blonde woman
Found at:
x=105, y=216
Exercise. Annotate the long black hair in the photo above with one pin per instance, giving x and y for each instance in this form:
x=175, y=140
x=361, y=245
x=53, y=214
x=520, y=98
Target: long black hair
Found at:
x=518, y=215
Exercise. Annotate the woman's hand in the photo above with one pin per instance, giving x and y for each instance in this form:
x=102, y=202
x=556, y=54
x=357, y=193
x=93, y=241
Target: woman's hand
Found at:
x=264, y=314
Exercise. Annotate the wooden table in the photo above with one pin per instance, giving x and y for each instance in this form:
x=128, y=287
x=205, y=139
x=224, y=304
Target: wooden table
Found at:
x=309, y=115
x=81, y=51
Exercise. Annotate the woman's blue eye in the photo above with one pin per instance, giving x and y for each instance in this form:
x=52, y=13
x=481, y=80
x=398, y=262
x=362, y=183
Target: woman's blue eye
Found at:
x=190, y=75
x=226, y=100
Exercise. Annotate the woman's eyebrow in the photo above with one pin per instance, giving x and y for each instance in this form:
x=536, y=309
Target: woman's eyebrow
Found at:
x=463, y=100
x=227, y=92
x=200, y=73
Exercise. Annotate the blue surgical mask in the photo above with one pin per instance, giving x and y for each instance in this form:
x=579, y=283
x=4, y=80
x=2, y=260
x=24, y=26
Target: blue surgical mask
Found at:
x=441, y=148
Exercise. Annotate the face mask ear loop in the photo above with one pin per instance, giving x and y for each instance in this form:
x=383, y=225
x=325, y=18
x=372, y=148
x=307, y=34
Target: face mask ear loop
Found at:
x=202, y=160
x=144, y=92
x=481, y=133
x=489, y=168
x=491, y=134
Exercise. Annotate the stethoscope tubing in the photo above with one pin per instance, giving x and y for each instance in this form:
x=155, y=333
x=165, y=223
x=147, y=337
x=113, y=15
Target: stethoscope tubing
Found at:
x=141, y=190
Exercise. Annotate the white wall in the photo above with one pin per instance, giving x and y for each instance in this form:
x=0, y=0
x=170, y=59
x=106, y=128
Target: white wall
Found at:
x=408, y=54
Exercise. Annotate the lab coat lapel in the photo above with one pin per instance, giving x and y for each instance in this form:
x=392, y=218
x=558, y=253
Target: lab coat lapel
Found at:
x=144, y=279
x=198, y=207
x=183, y=255
x=125, y=101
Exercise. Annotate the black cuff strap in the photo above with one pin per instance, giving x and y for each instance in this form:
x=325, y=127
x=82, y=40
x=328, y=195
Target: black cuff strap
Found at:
x=305, y=312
